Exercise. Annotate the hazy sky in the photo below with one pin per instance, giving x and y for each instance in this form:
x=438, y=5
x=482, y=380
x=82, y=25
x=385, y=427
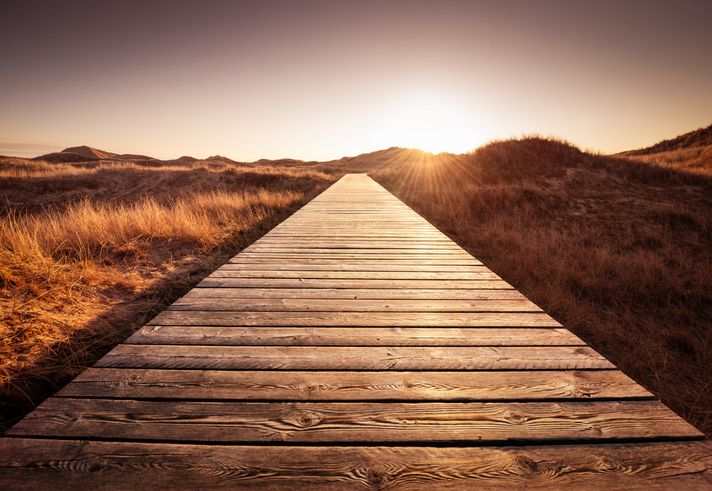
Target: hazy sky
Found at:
x=323, y=79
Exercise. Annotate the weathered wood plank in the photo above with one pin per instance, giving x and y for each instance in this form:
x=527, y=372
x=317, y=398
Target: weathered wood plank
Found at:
x=325, y=422
x=355, y=319
x=359, y=275
x=346, y=236
x=351, y=305
x=349, y=386
x=65, y=464
x=342, y=243
x=246, y=259
x=303, y=233
x=360, y=254
x=354, y=336
x=323, y=244
x=352, y=258
x=363, y=283
x=355, y=293
x=341, y=266
x=352, y=358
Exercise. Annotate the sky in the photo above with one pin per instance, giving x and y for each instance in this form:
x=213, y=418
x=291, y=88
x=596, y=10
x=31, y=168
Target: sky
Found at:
x=318, y=80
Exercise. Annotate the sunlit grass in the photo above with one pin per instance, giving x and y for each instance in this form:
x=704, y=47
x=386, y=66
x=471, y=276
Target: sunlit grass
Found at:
x=616, y=250
x=79, y=272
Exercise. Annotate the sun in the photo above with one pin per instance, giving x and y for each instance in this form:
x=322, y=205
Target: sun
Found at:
x=430, y=122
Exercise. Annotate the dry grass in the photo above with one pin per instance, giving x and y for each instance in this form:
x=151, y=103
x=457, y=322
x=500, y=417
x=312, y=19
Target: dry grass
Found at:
x=697, y=159
x=617, y=250
x=90, y=253
x=691, y=152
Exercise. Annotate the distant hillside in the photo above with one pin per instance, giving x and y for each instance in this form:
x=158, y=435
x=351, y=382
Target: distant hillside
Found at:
x=284, y=162
x=90, y=153
x=135, y=156
x=84, y=153
x=380, y=159
x=691, y=152
x=65, y=157
x=220, y=159
x=699, y=138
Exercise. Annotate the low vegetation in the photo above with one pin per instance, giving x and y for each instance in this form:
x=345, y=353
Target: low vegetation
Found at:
x=88, y=253
x=691, y=152
x=618, y=251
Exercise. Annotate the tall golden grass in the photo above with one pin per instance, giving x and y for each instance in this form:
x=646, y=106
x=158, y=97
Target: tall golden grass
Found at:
x=78, y=273
x=618, y=251
x=87, y=231
x=695, y=159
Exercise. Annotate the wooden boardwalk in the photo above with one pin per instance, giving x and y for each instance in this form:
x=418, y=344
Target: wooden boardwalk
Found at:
x=354, y=345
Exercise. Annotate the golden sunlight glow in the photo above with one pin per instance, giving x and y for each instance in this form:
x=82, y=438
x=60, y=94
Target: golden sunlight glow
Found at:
x=432, y=123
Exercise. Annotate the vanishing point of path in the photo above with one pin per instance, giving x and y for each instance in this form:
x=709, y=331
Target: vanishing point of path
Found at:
x=354, y=345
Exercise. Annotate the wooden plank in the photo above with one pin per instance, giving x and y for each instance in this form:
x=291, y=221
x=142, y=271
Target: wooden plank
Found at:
x=353, y=358
x=352, y=386
x=351, y=255
x=360, y=231
x=355, y=293
x=351, y=305
x=299, y=233
x=358, y=275
x=339, y=241
x=360, y=260
x=355, y=319
x=244, y=258
x=66, y=464
x=353, y=283
x=269, y=245
x=341, y=266
x=401, y=252
x=353, y=336
x=354, y=422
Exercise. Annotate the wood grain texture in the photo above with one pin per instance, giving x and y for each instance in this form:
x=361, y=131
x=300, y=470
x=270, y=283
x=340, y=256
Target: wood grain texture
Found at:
x=353, y=422
x=431, y=245
x=346, y=257
x=69, y=465
x=343, y=266
x=353, y=358
x=354, y=336
x=344, y=234
x=351, y=283
x=349, y=386
x=266, y=259
x=355, y=293
x=368, y=251
x=357, y=275
x=355, y=319
x=351, y=305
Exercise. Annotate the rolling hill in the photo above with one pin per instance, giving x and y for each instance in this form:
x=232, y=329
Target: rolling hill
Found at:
x=84, y=153
x=701, y=137
x=691, y=151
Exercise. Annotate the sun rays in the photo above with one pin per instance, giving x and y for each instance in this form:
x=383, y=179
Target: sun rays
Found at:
x=431, y=121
